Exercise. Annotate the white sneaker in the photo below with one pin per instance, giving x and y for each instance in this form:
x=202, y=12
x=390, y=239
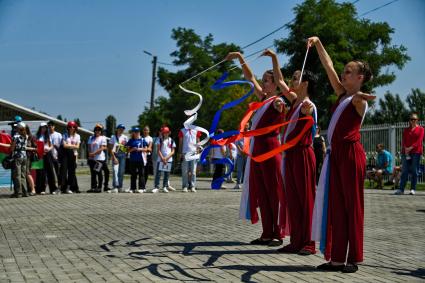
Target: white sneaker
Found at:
x=412, y=192
x=68, y=192
x=144, y=191
x=139, y=191
x=114, y=191
x=164, y=189
x=398, y=192
x=42, y=193
x=193, y=190
x=184, y=190
x=171, y=188
x=128, y=191
x=155, y=190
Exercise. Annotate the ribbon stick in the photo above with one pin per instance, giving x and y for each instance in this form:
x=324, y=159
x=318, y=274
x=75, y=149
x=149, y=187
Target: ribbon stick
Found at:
x=302, y=69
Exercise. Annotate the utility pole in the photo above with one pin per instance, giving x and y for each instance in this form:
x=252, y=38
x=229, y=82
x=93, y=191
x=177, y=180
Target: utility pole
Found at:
x=153, y=80
x=153, y=76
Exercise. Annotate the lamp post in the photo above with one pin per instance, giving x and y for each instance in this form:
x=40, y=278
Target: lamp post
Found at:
x=154, y=61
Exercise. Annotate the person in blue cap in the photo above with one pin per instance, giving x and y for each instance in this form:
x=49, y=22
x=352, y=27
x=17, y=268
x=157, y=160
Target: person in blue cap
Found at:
x=118, y=153
x=138, y=148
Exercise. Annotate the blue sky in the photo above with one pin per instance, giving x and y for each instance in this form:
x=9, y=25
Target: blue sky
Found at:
x=85, y=59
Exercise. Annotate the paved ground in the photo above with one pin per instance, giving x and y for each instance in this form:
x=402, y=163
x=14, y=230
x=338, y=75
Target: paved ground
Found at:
x=187, y=237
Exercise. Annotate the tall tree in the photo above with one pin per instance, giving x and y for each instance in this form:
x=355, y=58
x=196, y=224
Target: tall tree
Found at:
x=77, y=121
x=346, y=37
x=111, y=124
x=416, y=102
x=391, y=110
x=195, y=54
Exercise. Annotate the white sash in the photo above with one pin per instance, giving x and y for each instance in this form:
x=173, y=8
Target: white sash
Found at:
x=244, y=205
x=316, y=233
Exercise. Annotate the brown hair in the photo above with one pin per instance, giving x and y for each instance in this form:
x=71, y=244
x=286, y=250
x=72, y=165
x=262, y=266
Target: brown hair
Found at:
x=363, y=68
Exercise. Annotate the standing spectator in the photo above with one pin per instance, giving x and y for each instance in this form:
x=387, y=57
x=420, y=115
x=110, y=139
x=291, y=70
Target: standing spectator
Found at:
x=31, y=156
x=148, y=154
x=240, y=160
x=411, y=151
x=138, y=148
x=155, y=143
x=97, y=160
x=218, y=153
x=17, y=147
x=166, y=148
x=70, y=145
x=319, y=147
x=118, y=153
x=56, y=140
x=383, y=166
x=188, y=139
x=48, y=169
x=231, y=154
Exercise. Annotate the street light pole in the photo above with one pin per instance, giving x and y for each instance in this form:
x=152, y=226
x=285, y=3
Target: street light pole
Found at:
x=153, y=80
x=154, y=61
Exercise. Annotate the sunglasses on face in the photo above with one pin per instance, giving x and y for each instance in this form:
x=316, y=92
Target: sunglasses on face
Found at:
x=413, y=119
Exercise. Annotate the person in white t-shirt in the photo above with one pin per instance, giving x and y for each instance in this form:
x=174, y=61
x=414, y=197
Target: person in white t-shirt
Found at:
x=56, y=141
x=216, y=154
x=149, y=140
x=231, y=154
x=166, y=148
x=70, y=145
x=97, y=160
x=188, y=139
x=118, y=152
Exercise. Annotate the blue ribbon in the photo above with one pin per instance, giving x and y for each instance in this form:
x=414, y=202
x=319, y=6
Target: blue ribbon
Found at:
x=218, y=85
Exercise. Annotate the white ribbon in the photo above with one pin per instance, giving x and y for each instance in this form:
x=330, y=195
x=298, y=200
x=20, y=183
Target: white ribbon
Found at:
x=188, y=124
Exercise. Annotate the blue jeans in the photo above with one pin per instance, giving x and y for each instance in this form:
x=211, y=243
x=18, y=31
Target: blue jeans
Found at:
x=158, y=176
x=118, y=171
x=189, y=167
x=409, y=166
x=240, y=166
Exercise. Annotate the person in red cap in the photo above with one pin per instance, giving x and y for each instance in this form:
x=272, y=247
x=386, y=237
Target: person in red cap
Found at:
x=166, y=149
x=70, y=145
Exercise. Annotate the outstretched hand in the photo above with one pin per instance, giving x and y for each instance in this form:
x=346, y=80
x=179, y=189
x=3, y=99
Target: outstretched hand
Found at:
x=279, y=105
x=268, y=52
x=233, y=55
x=307, y=107
x=366, y=96
x=311, y=41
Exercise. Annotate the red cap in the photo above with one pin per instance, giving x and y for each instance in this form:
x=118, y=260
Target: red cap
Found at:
x=165, y=130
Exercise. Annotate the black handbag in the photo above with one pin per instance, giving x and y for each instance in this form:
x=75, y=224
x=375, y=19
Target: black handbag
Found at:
x=7, y=163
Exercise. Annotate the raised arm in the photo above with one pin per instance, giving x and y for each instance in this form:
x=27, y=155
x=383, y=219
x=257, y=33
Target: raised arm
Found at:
x=247, y=72
x=327, y=64
x=278, y=77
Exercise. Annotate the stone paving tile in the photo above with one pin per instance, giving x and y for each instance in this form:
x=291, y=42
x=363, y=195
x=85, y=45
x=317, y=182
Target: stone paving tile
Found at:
x=181, y=237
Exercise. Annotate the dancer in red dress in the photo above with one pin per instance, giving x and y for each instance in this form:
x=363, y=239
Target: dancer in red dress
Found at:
x=299, y=163
x=344, y=215
x=263, y=181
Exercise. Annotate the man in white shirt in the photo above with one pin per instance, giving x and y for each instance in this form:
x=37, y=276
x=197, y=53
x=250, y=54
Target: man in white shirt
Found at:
x=56, y=141
x=187, y=144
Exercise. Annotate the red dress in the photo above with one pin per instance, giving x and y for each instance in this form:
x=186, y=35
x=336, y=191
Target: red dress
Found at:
x=346, y=184
x=266, y=181
x=300, y=187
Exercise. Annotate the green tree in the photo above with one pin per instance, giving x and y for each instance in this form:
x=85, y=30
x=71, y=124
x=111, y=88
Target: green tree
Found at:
x=391, y=110
x=77, y=121
x=416, y=102
x=110, y=125
x=195, y=54
x=346, y=38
